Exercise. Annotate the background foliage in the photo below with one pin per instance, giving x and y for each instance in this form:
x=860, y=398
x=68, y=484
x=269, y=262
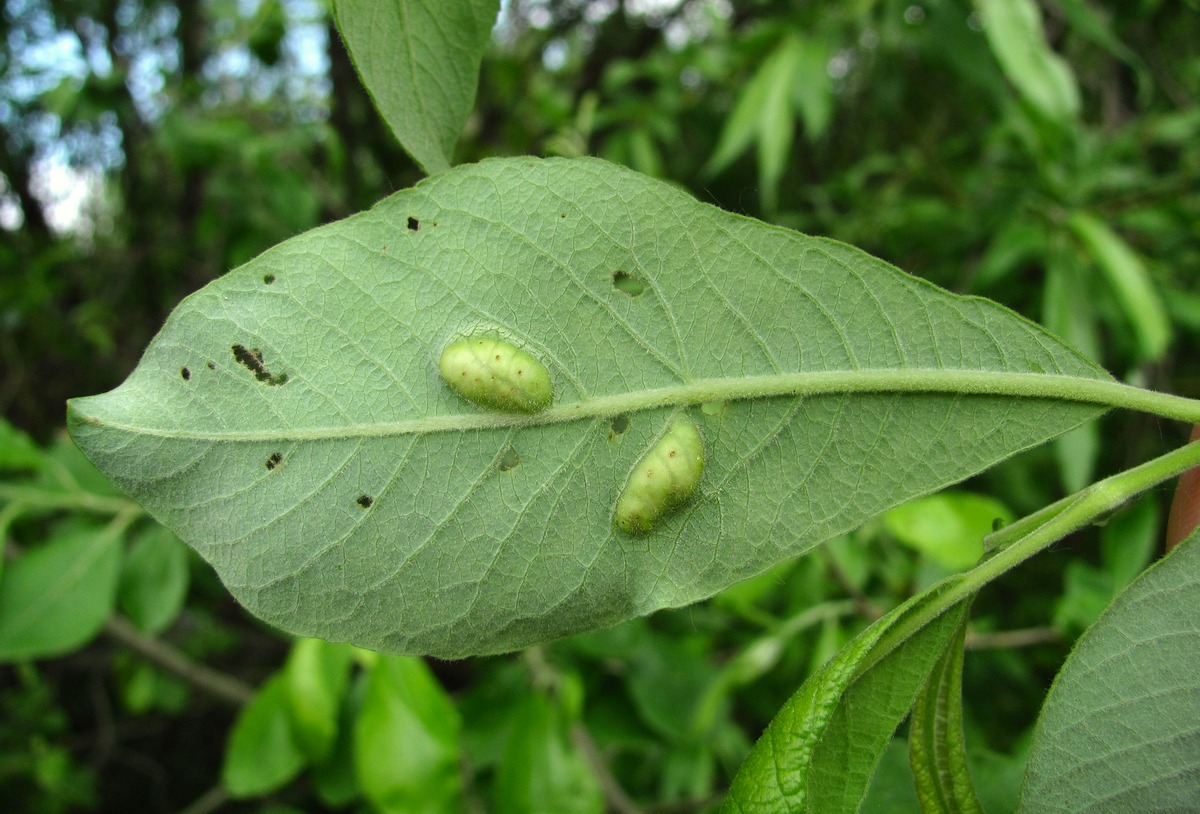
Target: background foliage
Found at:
x=150, y=146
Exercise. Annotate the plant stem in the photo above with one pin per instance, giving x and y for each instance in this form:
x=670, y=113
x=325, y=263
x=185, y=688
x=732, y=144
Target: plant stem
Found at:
x=1027, y=637
x=161, y=654
x=1068, y=516
x=32, y=497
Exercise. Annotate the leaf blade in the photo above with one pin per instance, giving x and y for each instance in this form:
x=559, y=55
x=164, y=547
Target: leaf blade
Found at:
x=1118, y=729
x=420, y=64
x=936, y=744
x=438, y=556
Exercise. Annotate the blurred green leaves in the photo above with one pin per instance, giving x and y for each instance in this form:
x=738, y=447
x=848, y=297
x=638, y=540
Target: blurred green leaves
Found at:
x=1043, y=78
x=792, y=78
x=406, y=741
x=948, y=527
x=1130, y=282
x=56, y=597
x=262, y=754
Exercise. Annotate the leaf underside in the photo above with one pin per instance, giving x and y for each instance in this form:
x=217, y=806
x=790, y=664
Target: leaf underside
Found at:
x=1119, y=730
x=290, y=423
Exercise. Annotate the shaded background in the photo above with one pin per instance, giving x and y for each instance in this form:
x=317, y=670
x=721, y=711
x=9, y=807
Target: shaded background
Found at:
x=148, y=147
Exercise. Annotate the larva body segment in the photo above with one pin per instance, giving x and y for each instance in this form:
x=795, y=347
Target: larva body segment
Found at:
x=496, y=374
x=663, y=480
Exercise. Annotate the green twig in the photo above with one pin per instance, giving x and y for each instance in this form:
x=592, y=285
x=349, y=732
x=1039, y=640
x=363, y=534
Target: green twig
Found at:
x=31, y=497
x=1068, y=516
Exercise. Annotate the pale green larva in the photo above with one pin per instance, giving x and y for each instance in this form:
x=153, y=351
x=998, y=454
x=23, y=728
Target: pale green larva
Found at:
x=662, y=481
x=496, y=374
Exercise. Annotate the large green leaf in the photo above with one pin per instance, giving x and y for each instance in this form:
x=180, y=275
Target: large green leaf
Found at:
x=419, y=60
x=1119, y=731
x=343, y=491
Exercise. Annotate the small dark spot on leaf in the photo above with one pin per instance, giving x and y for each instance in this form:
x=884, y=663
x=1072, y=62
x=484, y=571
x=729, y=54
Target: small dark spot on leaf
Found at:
x=626, y=283
x=563, y=215
x=365, y=501
x=509, y=460
x=268, y=278
x=413, y=224
x=185, y=374
x=252, y=360
x=618, y=427
x=275, y=460
x=211, y=365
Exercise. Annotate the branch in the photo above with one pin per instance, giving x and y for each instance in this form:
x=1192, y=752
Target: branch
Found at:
x=1013, y=638
x=614, y=795
x=159, y=653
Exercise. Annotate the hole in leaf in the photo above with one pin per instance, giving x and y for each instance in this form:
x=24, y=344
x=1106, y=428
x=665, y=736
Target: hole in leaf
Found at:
x=268, y=278
x=618, y=426
x=275, y=460
x=185, y=374
x=413, y=224
x=509, y=460
x=626, y=283
x=365, y=501
x=713, y=407
x=252, y=360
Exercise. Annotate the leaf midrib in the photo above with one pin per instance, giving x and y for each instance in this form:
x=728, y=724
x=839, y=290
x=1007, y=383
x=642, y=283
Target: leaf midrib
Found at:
x=1101, y=392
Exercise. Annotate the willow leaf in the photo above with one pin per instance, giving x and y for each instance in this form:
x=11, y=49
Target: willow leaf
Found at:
x=290, y=421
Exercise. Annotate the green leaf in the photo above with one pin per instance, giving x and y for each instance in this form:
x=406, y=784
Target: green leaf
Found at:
x=343, y=491
x=17, y=450
x=539, y=772
x=419, y=60
x=335, y=779
x=261, y=755
x=154, y=580
x=819, y=752
x=55, y=598
x=406, y=742
x=1119, y=728
x=1130, y=281
x=948, y=527
x=1043, y=78
x=315, y=680
x=777, y=120
x=812, y=93
x=936, y=747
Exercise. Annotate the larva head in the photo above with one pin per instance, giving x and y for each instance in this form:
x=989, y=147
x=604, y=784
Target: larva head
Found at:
x=496, y=374
x=663, y=479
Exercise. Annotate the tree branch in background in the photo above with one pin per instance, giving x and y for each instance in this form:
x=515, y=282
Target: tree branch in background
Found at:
x=160, y=654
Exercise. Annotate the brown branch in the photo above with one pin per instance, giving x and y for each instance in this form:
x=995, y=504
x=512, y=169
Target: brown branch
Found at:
x=211, y=800
x=863, y=605
x=614, y=795
x=1012, y=638
x=160, y=654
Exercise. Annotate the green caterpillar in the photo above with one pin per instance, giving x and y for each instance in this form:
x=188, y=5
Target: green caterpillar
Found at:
x=496, y=374
x=662, y=481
